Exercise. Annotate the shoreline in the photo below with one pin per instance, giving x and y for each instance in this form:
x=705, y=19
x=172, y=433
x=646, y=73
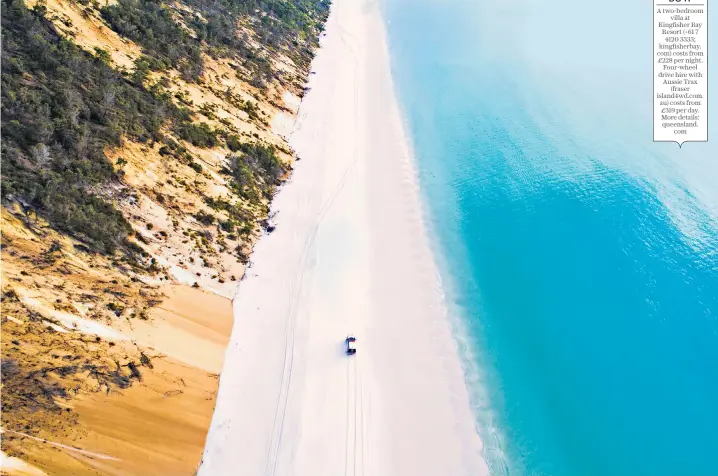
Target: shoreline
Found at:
x=350, y=255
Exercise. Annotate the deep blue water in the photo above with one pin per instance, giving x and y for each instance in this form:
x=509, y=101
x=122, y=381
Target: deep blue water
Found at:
x=580, y=259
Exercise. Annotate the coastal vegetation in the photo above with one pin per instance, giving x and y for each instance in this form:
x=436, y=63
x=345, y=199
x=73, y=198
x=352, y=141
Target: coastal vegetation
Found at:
x=62, y=106
x=136, y=143
x=279, y=25
x=152, y=25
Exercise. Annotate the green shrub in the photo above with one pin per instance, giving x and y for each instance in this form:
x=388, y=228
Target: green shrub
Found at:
x=234, y=142
x=227, y=226
x=103, y=55
x=201, y=135
x=204, y=218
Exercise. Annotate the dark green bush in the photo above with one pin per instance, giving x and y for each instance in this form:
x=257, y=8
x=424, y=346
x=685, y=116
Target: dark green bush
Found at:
x=227, y=226
x=204, y=217
x=201, y=135
x=234, y=142
x=257, y=168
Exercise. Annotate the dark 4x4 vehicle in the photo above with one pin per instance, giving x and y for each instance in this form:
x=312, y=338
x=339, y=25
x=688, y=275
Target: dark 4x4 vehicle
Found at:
x=351, y=345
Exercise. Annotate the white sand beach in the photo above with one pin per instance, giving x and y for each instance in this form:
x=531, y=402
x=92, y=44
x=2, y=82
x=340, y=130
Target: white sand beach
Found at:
x=349, y=255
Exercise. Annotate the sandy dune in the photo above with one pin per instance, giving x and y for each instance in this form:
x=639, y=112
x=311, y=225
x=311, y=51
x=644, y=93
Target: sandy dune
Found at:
x=158, y=425
x=349, y=255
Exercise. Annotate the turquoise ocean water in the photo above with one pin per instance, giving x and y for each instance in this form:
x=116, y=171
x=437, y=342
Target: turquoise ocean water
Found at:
x=580, y=259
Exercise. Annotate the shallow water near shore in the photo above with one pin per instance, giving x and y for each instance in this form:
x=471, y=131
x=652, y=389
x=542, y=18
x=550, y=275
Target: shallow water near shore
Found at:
x=580, y=259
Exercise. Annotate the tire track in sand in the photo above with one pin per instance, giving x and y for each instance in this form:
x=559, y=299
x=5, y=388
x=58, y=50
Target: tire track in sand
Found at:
x=273, y=453
x=295, y=291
